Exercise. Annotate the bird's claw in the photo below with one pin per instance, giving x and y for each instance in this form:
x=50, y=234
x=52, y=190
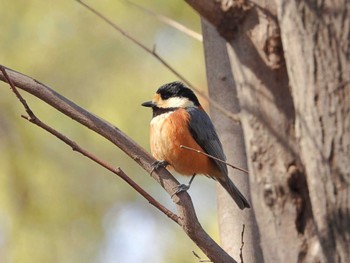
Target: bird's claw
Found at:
x=157, y=164
x=181, y=188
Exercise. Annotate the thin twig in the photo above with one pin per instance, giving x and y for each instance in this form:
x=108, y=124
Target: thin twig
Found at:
x=118, y=171
x=213, y=157
x=168, y=21
x=242, y=245
x=199, y=258
x=232, y=116
x=18, y=95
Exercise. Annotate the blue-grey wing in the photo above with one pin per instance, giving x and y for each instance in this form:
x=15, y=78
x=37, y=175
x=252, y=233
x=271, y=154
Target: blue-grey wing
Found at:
x=203, y=131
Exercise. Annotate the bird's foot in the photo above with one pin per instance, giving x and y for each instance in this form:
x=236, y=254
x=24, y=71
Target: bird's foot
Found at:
x=157, y=164
x=183, y=187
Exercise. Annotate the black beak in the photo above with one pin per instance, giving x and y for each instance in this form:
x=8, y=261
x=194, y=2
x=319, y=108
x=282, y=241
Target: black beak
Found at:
x=148, y=104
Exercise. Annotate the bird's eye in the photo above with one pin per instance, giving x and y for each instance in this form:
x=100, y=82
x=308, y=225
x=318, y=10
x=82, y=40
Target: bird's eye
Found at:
x=165, y=96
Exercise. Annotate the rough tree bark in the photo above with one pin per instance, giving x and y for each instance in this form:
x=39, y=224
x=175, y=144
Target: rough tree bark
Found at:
x=295, y=114
x=318, y=32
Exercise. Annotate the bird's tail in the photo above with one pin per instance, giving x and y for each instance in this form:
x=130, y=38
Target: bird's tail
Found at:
x=236, y=195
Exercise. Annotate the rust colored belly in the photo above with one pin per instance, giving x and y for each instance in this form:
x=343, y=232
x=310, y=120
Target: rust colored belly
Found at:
x=168, y=132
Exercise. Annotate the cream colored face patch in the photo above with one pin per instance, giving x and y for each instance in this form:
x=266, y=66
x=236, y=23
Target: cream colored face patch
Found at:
x=156, y=98
x=173, y=102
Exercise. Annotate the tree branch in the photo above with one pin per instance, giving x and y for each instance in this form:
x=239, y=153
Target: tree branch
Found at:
x=234, y=117
x=187, y=216
x=224, y=15
x=75, y=147
x=242, y=245
x=168, y=21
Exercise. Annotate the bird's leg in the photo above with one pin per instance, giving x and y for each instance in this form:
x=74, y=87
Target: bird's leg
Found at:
x=157, y=164
x=184, y=187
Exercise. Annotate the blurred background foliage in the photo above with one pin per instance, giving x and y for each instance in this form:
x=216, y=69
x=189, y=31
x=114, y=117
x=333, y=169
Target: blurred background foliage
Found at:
x=55, y=205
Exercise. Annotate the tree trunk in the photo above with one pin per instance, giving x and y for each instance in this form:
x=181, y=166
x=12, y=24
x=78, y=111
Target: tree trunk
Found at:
x=267, y=116
x=222, y=89
x=295, y=114
x=319, y=34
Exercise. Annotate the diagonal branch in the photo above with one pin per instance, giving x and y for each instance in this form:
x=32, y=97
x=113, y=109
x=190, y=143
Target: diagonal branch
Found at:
x=232, y=116
x=75, y=147
x=187, y=216
x=170, y=22
x=18, y=95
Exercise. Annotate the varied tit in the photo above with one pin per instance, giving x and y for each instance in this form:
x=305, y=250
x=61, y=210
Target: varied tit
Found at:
x=179, y=120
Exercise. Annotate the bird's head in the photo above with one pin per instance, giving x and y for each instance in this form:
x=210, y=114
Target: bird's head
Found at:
x=173, y=95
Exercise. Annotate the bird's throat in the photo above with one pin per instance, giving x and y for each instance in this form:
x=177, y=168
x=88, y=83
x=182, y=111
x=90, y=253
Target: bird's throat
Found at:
x=158, y=111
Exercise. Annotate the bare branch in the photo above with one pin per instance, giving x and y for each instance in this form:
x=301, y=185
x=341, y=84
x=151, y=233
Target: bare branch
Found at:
x=213, y=157
x=75, y=147
x=168, y=21
x=232, y=116
x=199, y=258
x=241, y=248
x=187, y=216
x=224, y=15
x=18, y=95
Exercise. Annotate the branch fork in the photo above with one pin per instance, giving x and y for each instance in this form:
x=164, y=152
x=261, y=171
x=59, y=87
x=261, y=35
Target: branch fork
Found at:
x=186, y=216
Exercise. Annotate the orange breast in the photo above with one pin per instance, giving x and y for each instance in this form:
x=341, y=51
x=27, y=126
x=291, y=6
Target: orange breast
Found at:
x=171, y=130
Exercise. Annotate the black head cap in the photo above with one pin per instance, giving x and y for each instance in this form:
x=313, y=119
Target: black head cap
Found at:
x=177, y=89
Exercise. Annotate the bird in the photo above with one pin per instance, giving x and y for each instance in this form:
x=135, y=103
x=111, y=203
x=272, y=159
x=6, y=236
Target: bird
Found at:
x=179, y=120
